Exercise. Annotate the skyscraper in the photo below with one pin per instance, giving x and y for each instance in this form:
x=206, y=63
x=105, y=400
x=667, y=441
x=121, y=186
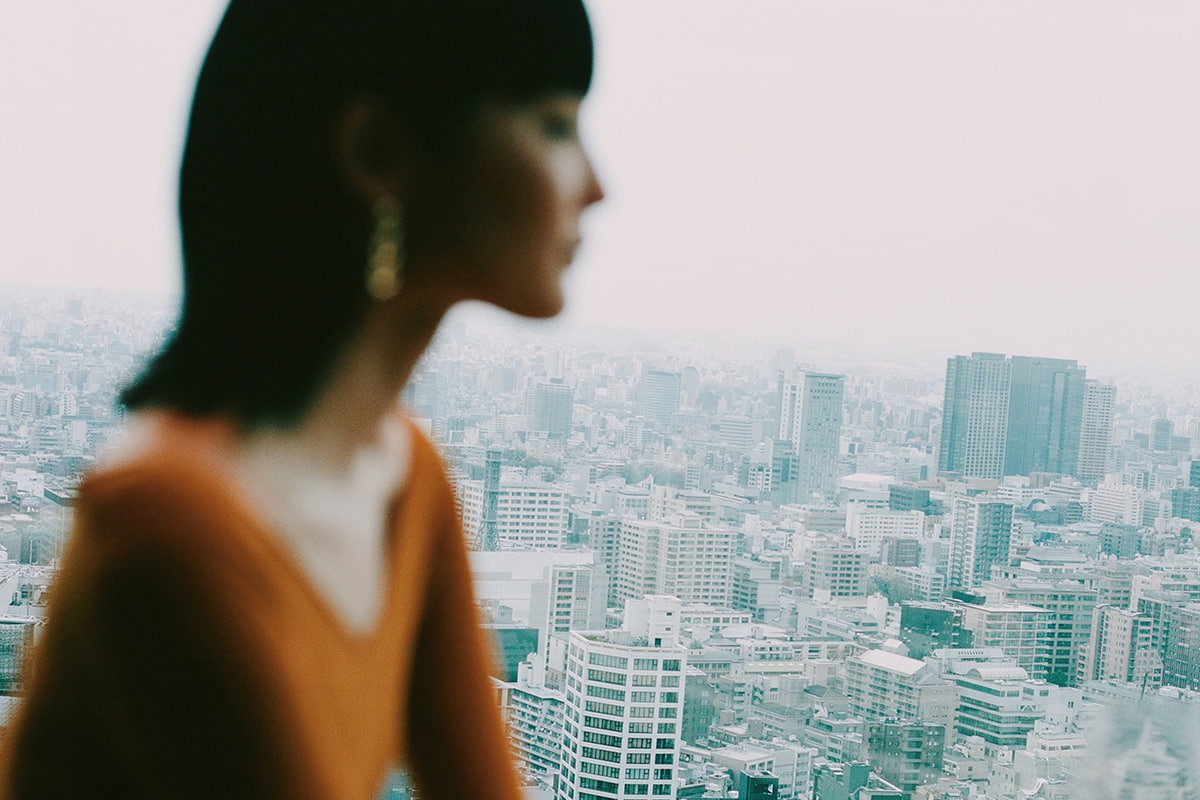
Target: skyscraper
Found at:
x=1045, y=411
x=811, y=418
x=1095, y=432
x=975, y=416
x=549, y=405
x=658, y=396
x=1161, y=433
x=1020, y=415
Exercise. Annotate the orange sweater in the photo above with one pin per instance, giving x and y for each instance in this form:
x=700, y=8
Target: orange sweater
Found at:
x=188, y=656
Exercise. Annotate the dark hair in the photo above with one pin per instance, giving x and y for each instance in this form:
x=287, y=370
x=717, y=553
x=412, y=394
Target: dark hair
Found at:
x=274, y=246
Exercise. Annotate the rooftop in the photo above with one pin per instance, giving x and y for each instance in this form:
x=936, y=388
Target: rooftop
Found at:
x=892, y=662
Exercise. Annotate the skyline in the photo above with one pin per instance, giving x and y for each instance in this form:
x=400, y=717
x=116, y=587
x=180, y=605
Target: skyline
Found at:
x=937, y=621
x=934, y=177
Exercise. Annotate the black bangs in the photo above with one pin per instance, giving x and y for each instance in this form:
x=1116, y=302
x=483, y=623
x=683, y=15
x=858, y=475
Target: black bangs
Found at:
x=529, y=47
x=448, y=54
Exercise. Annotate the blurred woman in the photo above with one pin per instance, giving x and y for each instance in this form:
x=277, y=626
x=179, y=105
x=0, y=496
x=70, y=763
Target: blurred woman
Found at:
x=266, y=593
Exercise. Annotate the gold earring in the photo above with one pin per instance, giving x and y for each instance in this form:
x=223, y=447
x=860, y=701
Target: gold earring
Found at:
x=385, y=259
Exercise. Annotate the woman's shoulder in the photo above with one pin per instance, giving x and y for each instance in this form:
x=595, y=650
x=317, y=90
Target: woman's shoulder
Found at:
x=153, y=458
x=425, y=461
x=158, y=488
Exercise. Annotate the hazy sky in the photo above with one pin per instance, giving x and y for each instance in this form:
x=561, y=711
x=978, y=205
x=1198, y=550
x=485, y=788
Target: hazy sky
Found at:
x=1011, y=175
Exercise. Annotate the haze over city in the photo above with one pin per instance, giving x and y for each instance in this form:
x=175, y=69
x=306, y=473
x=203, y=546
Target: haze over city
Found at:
x=865, y=460
x=930, y=175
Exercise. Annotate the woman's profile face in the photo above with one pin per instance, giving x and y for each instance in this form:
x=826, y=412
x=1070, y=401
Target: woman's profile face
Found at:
x=510, y=213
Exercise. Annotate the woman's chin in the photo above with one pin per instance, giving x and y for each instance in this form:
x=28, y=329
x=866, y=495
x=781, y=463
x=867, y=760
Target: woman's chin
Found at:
x=543, y=305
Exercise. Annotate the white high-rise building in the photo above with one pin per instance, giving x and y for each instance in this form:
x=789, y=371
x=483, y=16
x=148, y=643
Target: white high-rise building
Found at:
x=1121, y=648
x=680, y=556
x=981, y=531
x=554, y=591
x=835, y=572
x=1095, y=434
x=1117, y=502
x=1023, y=632
x=869, y=527
x=811, y=418
x=535, y=720
x=624, y=706
x=886, y=685
x=529, y=515
x=1070, y=600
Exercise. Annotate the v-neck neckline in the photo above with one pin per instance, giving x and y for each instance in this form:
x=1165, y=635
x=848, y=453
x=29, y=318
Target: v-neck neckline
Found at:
x=262, y=534
x=203, y=449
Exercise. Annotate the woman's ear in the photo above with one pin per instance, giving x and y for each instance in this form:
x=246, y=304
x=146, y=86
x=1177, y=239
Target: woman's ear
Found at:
x=371, y=150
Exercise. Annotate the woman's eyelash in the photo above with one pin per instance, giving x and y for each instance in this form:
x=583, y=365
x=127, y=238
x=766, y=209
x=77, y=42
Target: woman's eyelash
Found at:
x=558, y=126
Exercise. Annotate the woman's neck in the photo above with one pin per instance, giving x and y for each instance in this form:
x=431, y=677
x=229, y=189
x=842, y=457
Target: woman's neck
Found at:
x=362, y=388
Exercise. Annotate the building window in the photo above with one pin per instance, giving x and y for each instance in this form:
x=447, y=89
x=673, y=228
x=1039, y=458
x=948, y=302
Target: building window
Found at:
x=603, y=660
x=599, y=769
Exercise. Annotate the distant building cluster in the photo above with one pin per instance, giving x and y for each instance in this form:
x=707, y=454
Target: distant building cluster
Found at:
x=712, y=569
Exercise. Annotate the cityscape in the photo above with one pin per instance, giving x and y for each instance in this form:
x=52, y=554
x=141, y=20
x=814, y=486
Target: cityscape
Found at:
x=750, y=569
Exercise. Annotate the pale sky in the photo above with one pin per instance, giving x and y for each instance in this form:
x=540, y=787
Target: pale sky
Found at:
x=1018, y=176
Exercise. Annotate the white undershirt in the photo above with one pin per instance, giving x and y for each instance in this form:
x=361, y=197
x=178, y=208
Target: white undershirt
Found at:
x=332, y=521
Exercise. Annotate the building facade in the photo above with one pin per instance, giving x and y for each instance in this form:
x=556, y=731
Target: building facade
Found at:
x=623, y=708
x=1045, y=414
x=529, y=515
x=887, y=686
x=981, y=532
x=1121, y=648
x=680, y=556
x=975, y=416
x=1095, y=432
x=811, y=419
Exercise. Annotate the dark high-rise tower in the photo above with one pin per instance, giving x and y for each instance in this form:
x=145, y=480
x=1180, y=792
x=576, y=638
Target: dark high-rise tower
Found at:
x=811, y=419
x=549, y=405
x=1161, y=433
x=658, y=396
x=1045, y=411
x=1020, y=415
x=975, y=416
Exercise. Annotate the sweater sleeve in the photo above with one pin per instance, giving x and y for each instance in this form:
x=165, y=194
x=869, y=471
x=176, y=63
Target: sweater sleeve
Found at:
x=458, y=743
x=149, y=682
